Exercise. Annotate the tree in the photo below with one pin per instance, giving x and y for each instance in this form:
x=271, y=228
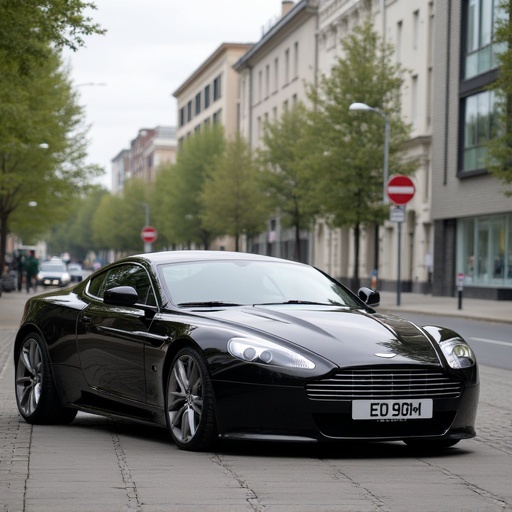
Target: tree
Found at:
x=499, y=146
x=75, y=234
x=42, y=146
x=177, y=195
x=233, y=203
x=286, y=175
x=349, y=145
x=31, y=29
x=118, y=220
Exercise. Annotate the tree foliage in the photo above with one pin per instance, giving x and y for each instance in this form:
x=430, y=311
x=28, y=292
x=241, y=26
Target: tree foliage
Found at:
x=287, y=177
x=499, y=154
x=31, y=29
x=42, y=147
x=118, y=220
x=75, y=235
x=233, y=202
x=38, y=106
x=177, y=195
x=349, y=145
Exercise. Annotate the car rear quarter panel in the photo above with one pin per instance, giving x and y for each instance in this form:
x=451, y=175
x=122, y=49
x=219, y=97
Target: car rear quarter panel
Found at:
x=54, y=318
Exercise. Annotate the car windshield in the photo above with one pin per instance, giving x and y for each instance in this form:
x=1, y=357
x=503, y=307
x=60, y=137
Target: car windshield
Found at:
x=52, y=267
x=237, y=282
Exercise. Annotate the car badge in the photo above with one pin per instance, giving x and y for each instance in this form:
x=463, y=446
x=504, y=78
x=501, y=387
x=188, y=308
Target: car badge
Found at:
x=387, y=355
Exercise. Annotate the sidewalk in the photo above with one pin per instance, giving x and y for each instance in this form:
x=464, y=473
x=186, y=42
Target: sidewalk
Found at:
x=11, y=308
x=476, y=309
x=12, y=303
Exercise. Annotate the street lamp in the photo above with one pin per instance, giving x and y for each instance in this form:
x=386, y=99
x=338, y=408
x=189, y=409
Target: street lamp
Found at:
x=385, y=200
x=364, y=107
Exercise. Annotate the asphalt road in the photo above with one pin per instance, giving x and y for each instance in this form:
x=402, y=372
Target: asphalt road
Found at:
x=491, y=341
x=96, y=465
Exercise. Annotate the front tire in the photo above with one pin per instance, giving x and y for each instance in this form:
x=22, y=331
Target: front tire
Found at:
x=36, y=394
x=189, y=402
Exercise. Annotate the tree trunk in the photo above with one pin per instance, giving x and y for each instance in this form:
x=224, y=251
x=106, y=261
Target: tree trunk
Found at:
x=3, y=241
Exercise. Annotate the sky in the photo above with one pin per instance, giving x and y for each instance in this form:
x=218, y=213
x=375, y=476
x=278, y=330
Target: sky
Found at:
x=126, y=78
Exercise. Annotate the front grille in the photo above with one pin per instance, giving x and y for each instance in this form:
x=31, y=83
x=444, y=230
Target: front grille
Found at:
x=384, y=384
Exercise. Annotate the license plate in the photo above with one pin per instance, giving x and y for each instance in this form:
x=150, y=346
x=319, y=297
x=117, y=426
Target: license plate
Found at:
x=392, y=409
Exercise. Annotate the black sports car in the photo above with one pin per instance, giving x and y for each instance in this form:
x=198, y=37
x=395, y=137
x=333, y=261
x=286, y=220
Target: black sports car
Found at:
x=240, y=346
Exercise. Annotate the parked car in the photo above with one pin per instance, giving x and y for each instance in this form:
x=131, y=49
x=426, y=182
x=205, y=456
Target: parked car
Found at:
x=53, y=272
x=219, y=345
x=77, y=272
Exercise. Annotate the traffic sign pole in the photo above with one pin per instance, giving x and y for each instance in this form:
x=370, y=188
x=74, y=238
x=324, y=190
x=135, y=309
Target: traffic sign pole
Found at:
x=400, y=189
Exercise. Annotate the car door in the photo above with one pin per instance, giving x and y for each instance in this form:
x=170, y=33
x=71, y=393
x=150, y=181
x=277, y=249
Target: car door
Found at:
x=111, y=338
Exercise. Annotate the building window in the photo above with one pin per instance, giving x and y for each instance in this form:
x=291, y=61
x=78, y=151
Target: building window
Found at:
x=416, y=29
x=286, y=66
x=189, y=110
x=479, y=126
x=484, y=250
x=260, y=84
x=217, y=88
x=296, y=60
x=207, y=96
x=480, y=51
x=182, y=116
x=276, y=74
x=267, y=80
x=198, y=103
x=414, y=101
x=216, y=117
x=398, y=48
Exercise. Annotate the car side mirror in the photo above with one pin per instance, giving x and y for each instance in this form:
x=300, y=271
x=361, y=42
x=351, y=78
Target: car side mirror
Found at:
x=121, y=296
x=368, y=296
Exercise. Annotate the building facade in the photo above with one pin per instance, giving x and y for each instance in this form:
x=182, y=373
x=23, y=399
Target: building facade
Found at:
x=472, y=216
x=409, y=27
x=272, y=77
x=459, y=223
x=209, y=95
x=151, y=148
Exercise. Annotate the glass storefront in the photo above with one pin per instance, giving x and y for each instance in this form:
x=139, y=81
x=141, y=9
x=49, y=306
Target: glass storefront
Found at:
x=484, y=250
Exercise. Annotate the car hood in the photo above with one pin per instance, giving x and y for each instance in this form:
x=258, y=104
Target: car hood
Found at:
x=345, y=336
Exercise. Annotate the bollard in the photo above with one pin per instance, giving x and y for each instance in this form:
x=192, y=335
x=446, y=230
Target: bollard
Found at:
x=460, y=288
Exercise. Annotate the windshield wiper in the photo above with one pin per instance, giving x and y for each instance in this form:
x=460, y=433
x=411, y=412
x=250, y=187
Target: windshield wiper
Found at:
x=308, y=302
x=207, y=304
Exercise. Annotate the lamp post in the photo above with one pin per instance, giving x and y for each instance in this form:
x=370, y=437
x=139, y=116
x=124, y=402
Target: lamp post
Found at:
x=385, y=200
x=365, y=108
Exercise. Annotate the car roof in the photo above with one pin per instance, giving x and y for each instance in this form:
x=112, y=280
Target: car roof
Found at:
x=188, y=256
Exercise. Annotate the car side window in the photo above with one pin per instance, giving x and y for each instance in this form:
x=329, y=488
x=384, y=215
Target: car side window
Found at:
x=96, y=287
x=124, y=275
x=129, y=275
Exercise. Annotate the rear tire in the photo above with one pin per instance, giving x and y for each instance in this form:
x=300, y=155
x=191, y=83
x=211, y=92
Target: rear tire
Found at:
x=189, y=404
x=36, y=394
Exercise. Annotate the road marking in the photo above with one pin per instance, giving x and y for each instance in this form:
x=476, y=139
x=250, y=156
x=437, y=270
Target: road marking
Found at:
x=494, y=342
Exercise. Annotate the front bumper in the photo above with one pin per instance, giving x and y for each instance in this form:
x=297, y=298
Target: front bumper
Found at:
x=252, y=411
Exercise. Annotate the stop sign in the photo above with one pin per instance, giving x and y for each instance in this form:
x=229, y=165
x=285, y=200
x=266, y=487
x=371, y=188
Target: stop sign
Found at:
x=148, y=234
x=400, y=189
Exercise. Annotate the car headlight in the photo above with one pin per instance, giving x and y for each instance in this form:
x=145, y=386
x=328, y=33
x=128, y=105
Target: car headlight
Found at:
x=265, y=352
x=458, y=353
x=66, y=277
